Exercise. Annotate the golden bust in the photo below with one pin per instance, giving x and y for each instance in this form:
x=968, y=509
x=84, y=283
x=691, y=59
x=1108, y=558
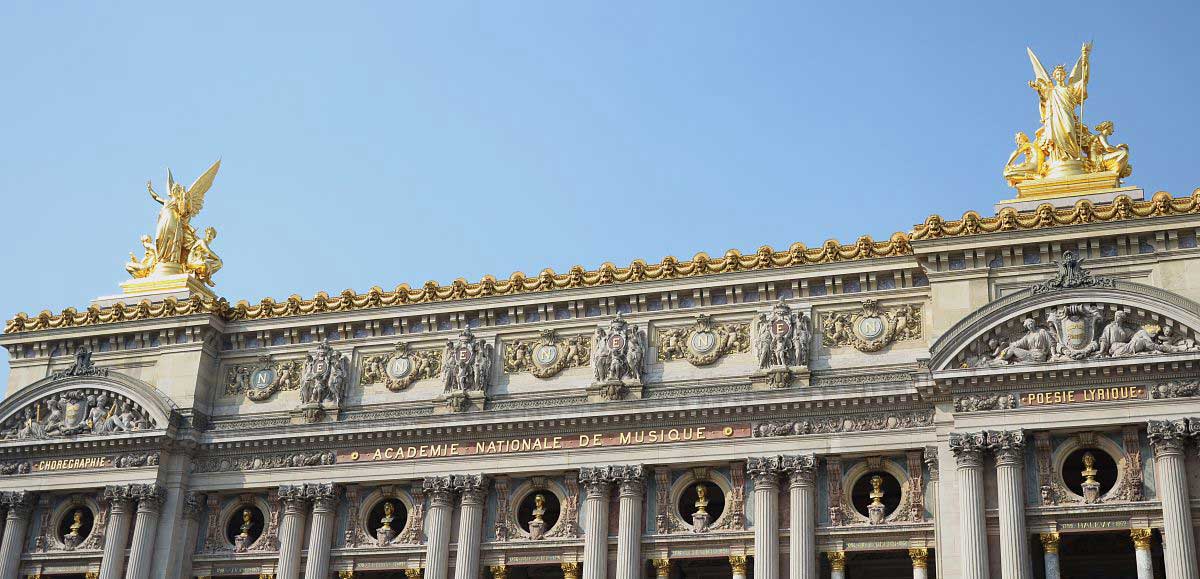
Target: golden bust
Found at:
x=701, y=498
x=246, y=523
x=1089, y=468
x=539, y=506
x=389, y=512
x=876, y=490
x=76, y=524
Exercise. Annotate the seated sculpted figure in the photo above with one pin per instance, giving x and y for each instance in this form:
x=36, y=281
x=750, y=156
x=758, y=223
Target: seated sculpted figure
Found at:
x=1037, y=345
x=142, y=267
x=1144, y=341
x=1106, y=157
x=201, y=260
x=1116, y=334
x=1030, y=168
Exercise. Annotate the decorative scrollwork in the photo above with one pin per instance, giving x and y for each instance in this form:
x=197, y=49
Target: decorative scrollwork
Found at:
x=704, y=342
x=260, y=380
x=400, y=368
x=872, y=328
x=547, y=355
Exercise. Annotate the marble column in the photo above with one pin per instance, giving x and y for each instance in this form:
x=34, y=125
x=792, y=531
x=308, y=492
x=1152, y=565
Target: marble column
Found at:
x=837, y=564
x=1050, y=554
x=116, y=533
x=662, y=568
x=968, y=452
x=630, y=488
x=920, y=562
x=440, y=490
x=1009, y=447
x=764, y=471
x=1141, y=550
x=570, y=570
x=19, y=505
x=320, y=533
x=295, y=500
x=597, y=483
x=801, y=471
x=738, y=564
x=1168, y=439
x=474, y=490
x=150, y=498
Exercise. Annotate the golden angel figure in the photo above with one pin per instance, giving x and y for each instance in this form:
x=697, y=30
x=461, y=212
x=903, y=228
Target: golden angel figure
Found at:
x=174, y=238
x=1058, y=97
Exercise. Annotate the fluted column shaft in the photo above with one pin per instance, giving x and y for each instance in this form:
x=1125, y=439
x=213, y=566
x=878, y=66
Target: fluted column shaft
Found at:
x=145, y=528
x=631, y=490
x=1050, y=553
x=437, y=526
x=802, y=541
x=765, y=473
x=968, y=451
x=320, y=535
x=1009, y=447
x=20, y=507
x=291, y=531
x=595, y=532
x=116, y=533
x=470, y=527
x=1141, y=551
x=1168, y=440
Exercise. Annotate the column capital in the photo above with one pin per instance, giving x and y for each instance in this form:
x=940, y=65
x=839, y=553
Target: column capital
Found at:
x=801, y=469
x=18, y=503
x=1009, y=446
x=499, y=571
x=630, y=479
x=1168, y=437
x=473, y=487
x=596, y=480
x=739, y=564
x=150, y=496
x=837, y=560
x=324, y=496
x=764, y=471
x=968, y=448
x=919, y=556
x=1141, y=538
x=1049, y=542
x=413, y=573
x=662, y=568
x=570, y=570
x=118, y=496
x=439, y=489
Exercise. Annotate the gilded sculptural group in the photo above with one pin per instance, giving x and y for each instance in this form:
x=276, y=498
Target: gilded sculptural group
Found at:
x=704, y=342
x=176, y=248
x=871, y=328
x=1063, y=146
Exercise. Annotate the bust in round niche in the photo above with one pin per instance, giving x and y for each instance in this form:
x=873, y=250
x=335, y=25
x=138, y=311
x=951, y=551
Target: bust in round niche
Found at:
x=1090, y=473
x=701, y=503
x=75, y=526
x=245, y=526
x=538, y=513
x=876, y=495
x=387, y=520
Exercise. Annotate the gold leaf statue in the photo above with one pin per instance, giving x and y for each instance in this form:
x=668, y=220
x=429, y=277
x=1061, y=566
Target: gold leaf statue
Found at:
x=176, y=248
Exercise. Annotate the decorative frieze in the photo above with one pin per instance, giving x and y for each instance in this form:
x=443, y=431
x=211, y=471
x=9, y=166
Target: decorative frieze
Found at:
x=872, y=327
x=982, y=402
x=704, y=342
x=849, y=423
x=400, y=368
x=1176, y=389
x=264, y=461
x=547, y=355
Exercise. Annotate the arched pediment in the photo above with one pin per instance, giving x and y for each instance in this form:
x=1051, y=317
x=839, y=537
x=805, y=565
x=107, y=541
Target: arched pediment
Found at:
x=1111, y=320
x=84, y=401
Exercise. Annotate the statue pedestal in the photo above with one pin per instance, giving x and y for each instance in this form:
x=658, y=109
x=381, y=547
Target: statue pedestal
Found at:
x=1066, y=191
x=1091, y=493
x=383, y=536
x=181, y=286
x=613, y=390
x=313, y=412
x=537, y=529
x=700, y=522
x=459, y=401
x=875, y=513
x=777, y=377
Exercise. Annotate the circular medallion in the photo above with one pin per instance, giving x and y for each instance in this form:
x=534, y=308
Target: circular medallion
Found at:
x=545, y=355
x=262, y=379
x=399, y=368
x=320, y=367
x=870, y=328
x=702, y=342
x=464, y=355
x=616, y=341
x=780, y=327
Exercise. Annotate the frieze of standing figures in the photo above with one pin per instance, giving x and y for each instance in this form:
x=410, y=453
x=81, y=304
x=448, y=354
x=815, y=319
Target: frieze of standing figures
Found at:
x=263, y=378
x=400, y=368
x=547, y=355
x=81, y=412
x=872, y=327
x=852, y=423
x=704, y=342
x=466, y=364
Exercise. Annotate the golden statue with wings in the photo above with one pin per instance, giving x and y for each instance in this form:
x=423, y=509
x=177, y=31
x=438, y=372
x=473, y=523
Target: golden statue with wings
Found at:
x=1063, y=147
x=176, y=248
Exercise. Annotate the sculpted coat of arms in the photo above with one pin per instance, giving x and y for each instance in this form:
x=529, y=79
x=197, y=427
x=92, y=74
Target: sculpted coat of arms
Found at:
x=399, y=368
x=466, y=363
x=782, y=338
x=618, y=351
x=547, y=355
x=704, y=342
x=872, y=328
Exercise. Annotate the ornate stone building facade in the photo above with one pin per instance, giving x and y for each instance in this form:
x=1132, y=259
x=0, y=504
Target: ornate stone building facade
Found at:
x=1010, y=396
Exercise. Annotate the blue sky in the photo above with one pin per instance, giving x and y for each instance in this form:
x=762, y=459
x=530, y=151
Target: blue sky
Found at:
x=379, y=143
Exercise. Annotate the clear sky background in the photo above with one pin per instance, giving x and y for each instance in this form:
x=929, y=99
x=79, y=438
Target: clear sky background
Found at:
x=378, y=143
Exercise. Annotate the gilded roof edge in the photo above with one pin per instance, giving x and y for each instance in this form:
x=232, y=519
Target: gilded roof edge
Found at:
x=899, y=244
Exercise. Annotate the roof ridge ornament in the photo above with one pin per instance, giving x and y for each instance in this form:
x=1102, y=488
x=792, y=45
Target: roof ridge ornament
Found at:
x=83, y=366
x=1071, y=274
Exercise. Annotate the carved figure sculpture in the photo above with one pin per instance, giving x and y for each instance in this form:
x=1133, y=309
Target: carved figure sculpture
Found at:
x=537, y=526
x=1037, y=345
x=1106, y=157
x=466, y=363
x=875, y=510
x=174, y=238
x=618, y=351
x=1091, y=486
x=700, y=517
x=385, y=533
x=242, y=541
x=325, y=375
x=72, y=539
x=782, y=337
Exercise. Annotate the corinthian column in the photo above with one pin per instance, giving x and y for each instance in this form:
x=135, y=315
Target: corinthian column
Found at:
x=1009, y=446
x=1167, y=438
x=150, y=499
x=440, y=490
x=837, y=564
x=764, y=470
x=968, y=451
x=631, y=488
x=737, y=564
x=1141, y=550
x=116, y=534
x=320, y=536
x=1050, y=551
x=470, y=524
x=291, y=530
x=597, y=483
x=801, y=471
x=920, y=562
x=20, y=506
